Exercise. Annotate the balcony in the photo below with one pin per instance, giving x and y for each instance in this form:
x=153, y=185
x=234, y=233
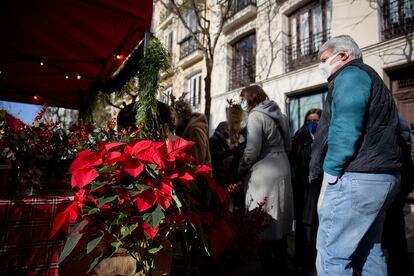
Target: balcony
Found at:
x=190, y=51
x=398, y=18
x=305, y=51
x=241, y=12
x=188, y=46
x=239, y=5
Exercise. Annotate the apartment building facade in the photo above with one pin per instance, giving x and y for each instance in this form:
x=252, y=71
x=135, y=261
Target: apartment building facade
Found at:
x=275, y=43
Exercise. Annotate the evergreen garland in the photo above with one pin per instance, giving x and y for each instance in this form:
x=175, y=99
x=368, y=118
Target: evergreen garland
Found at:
x=156, y=58
x=115, y=84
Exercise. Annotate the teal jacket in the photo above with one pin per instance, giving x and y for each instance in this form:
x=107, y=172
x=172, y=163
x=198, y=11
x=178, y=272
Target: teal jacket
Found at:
x=350, y=97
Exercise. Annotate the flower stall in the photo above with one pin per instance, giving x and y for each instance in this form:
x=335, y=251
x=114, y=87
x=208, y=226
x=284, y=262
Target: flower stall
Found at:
x=136, y=195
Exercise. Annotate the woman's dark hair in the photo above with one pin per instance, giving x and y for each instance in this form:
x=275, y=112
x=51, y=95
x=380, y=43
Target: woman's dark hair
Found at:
x=181, y=125
x=165, y=111
x=312, y=111
x=126, y=117
x=254, y=95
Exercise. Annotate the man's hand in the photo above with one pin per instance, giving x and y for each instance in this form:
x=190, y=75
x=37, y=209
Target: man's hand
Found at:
x=330, y=179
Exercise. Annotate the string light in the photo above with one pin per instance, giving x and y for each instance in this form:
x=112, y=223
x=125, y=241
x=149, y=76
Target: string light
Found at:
x=78, y=77
x=35, y=97
x=119, y=57
x=66, y=77
x=41, y=64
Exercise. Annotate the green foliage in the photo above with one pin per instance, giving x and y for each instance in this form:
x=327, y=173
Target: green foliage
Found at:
x=156, y=58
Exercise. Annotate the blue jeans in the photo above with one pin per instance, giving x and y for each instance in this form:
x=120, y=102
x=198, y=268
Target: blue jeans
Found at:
x=351, y=217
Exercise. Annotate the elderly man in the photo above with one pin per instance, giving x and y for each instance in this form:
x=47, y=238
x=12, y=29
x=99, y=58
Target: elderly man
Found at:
x=356, y=151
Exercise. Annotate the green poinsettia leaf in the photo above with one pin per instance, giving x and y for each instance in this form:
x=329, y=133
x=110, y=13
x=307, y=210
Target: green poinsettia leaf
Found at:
x=108, y=169
x=93, y=243
x=140, y=187
x=104, y=200
x=204, y=239
x=97, y=185
x=151, y=169
x=116, y=245
x=130, y=186
x=176, y=200
x=95, y=262
x=155, y=217
x=70, y=244
x=127, y=230
x=155, y=249
x=119, y=220
x=93, y=211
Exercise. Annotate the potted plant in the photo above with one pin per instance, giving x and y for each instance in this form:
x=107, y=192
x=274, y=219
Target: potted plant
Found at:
x=137, y=193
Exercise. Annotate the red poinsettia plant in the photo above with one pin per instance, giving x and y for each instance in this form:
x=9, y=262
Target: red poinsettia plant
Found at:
x=139, y=190
x=31, y=149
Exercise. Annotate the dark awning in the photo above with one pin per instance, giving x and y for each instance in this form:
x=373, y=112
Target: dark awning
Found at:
x=55, y=51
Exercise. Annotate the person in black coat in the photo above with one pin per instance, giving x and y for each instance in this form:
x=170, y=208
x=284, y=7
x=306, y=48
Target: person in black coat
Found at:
x=303, y=193
x=220, y=151
x=394, y=241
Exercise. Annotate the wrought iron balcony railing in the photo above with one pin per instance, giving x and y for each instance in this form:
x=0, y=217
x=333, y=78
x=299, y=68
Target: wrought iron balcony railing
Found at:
x=398, y=18
x=188, y=46
x=305, y=51
x=243, y=72
x=238, y=5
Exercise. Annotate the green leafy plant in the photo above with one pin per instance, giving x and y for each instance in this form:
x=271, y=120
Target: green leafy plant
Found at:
x=156, y=59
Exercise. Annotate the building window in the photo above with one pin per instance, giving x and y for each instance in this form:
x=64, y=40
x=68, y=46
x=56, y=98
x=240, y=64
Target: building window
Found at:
x=309, y=28
x=188, y=43
x=166, y=11
x=398, y=18
x=298, y=106
x=166, y=95
x=168, y=41
x=190, y=18
x=194, y=90
x=243, y=67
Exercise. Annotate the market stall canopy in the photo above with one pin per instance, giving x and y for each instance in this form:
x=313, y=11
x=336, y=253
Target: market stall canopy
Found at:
x=55, y=52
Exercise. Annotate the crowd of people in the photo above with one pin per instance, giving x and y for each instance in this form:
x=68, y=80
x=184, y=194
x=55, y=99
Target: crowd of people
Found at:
x=340, y=184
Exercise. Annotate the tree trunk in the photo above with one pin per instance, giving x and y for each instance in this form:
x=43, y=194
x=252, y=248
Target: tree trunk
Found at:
x=207, y=87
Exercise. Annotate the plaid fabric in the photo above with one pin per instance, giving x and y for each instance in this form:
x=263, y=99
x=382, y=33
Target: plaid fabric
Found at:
x=25, y=227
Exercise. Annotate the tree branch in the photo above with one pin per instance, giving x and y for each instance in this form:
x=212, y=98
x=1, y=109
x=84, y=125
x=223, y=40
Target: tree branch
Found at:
x=178, y=12
x=223, y=18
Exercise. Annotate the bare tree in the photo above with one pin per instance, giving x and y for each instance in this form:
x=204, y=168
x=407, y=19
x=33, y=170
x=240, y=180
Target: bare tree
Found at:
x=206, y=34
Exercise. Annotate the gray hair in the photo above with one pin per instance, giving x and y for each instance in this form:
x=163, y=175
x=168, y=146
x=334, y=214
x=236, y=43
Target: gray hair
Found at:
x=343, y=43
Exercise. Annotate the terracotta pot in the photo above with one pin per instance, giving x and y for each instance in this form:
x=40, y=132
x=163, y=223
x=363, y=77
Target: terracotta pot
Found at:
x=121, y=263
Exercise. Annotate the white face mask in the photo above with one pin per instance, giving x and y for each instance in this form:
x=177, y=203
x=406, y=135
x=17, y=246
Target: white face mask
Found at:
x=326, y=68
x=244, y=106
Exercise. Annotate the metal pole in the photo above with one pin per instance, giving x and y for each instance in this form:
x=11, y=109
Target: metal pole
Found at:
x=147, y=36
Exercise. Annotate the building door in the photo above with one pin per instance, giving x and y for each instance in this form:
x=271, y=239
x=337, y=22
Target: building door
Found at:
x=299, y=105
x=402, y=88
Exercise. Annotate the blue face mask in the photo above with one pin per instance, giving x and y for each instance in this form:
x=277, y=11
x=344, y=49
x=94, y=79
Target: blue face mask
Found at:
x=244, y=106
x=312, y=127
